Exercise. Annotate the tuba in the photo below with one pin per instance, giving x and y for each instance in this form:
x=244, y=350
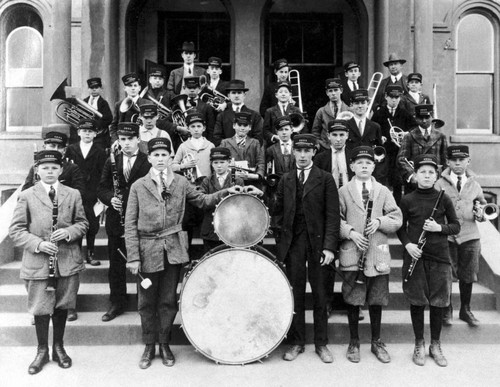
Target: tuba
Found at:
x=373, y=87
x=72, y=110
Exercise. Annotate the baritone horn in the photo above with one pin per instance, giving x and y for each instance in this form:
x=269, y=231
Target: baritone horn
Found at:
x=373, y=87
x=211, y=96
x=396, y=134
x=72, y=110
x=179, y=114
x=488, y=211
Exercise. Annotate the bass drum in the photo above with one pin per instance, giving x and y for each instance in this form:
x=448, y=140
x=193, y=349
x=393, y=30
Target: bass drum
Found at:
x=241, y=220
x=236, y=306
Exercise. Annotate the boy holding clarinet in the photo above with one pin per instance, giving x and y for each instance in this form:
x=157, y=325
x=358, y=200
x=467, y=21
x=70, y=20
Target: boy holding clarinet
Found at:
x=428, y=219
x=49, y=223
x=368, y=214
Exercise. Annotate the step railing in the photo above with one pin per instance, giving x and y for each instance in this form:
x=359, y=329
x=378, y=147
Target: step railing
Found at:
x=7, y=250
x=489, y=263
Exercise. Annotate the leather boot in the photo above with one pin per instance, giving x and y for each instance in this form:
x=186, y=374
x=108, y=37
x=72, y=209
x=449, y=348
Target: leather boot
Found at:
x=60, y=356
x=168, y=358
x=72, y=315
x=90, y=259
x=41, y=358
x=419, y=353
x=437, y=354
x=465, y=297
x=147, y=356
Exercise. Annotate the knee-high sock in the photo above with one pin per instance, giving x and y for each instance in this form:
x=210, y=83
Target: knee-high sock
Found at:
x=417, y=320
x=59, y=324
x=353, y=318
x=465, y=293
x=42, y=329
x=436, y=322
x=375, y=320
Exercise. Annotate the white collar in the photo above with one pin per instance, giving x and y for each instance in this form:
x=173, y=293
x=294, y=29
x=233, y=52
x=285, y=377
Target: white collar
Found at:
x=47, y=186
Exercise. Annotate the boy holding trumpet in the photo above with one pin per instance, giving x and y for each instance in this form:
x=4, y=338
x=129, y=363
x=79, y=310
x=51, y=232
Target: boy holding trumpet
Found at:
x=465, y=247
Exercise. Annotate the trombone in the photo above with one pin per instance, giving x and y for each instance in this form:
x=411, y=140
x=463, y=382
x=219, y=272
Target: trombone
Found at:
x=373, y=85
x=72, y=110
x=294, y=78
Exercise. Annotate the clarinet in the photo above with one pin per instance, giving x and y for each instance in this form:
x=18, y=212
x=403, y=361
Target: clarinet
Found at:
x=116, y=186
x=51, y=285
x=361, y=262
x=422, y=240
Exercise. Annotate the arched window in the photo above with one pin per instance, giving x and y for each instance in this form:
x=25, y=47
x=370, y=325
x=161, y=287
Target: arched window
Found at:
x=24, y=57
x=475, y=74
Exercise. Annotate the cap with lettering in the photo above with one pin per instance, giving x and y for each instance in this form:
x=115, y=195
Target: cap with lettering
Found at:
x=280, y=63
x=425, y=159
x=214, y=61
x=337, y=125
x=94, y=83
x=49, y=156
x=281, y=122
x=87, y=123
x=288, y=85
x=192, y=82
x=359, y=95
x=130, y=78
x=159, y=143
x=148, y=110
x=363, y=152
x=56, y=138
x=128, y=129
x=242, y=118
x=304, y=141
x=157, y=72
x=350, y=65
x=220, y=153
x=424, y=110
x=194, y=117
x=458, y=151
x=333, y=83
x=414, y=77
x=393, y=91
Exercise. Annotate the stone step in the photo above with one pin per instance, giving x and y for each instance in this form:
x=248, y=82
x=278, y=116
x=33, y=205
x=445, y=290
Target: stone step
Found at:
x=16, y=330
x=94, y=297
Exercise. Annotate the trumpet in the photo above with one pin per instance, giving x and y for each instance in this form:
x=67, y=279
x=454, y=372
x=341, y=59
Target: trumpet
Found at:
x=72, y=110
x=373, y=85
x=396, y=134
x=194, y=174
x=294, y=78
x=487, y=211
x=380, y=153
x=272, y=177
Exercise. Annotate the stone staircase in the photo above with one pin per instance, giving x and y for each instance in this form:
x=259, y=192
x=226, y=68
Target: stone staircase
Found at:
x=16, y=330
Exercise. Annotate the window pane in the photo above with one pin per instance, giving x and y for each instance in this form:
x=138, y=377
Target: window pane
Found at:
x=318, y=34
x=27, y=113
x=24, y=49
x=474, y=101
x=475, y=44
x=286, y=38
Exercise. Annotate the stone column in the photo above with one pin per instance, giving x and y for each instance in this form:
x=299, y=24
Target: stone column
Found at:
x=423, y=40
x=248, y=50
x=381, y=38
x=57, y=57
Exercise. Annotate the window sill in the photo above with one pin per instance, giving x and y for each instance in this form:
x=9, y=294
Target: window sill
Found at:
x=475, y=139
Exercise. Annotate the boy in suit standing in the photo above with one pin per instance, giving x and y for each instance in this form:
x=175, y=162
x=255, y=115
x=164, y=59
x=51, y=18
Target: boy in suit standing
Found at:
x=214, y=70
x=414, y=95
x=308, y=200
x=101, y=105
x=282, y=108
x=176, y=83
x=197, y=105
x=49, y=221
x=350, y=83
x=246, y=149
x=366, y=233
x=130, y=165
x=281, y=70
x=329, y=112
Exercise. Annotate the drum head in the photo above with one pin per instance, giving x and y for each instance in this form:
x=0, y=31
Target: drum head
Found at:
x=236, y=306
x=241, y=220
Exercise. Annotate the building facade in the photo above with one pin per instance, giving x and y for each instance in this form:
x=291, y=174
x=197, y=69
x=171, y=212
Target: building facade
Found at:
x=453, y=43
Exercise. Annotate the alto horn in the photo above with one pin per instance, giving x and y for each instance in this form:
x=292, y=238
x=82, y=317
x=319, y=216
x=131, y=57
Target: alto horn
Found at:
x=396, y=134
x=373, y=85
x=211, y=96
x=72, y=110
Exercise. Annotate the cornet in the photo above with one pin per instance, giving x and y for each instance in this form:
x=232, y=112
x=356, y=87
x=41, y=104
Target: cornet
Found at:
x=485, y=211
x=396, y=134
x=194, y=174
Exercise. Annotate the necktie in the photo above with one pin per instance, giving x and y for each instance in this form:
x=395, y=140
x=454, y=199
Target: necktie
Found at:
x=127, y=167
x=356, y=87
x=459, y=183
x=427, y=134
x=302, y=176
x=393, y=111
x=285, y=149
x=283, y=109
x=241, y=143
x=164, y=192
x=365, y=194
x=361, y=127
x=189, y=70
x=52, y=193
x=237, y=109
x=221, y=181
x=335, y=167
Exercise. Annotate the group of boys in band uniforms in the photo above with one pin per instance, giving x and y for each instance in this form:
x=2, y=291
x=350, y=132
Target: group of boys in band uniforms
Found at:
x=333, y=202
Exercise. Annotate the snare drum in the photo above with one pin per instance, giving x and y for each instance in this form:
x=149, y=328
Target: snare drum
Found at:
x=241, y=220
x=236, y=306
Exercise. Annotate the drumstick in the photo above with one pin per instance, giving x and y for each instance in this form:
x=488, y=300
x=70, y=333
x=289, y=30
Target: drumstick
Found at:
x=146, y=282
x=338, y=271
